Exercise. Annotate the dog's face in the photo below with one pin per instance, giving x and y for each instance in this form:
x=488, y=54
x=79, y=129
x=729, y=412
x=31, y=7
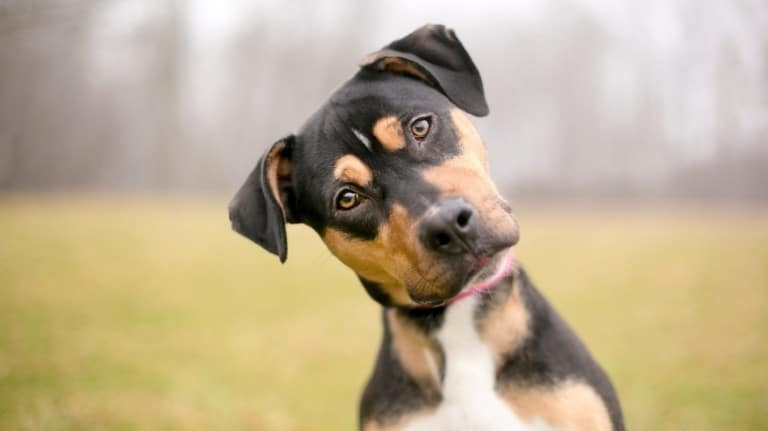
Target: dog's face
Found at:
x=392, y=175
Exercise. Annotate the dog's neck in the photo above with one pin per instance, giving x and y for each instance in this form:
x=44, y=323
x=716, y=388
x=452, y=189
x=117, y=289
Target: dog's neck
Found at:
x=492, y=324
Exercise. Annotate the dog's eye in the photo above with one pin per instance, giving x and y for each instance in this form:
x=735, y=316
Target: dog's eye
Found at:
x=347, y=199
x=420, y=128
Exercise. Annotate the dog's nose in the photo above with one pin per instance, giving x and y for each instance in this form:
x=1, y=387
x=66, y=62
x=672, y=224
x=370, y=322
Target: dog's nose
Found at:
x=452, y=228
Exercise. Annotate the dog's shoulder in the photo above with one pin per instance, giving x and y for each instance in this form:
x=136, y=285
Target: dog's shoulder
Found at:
x=553, y=373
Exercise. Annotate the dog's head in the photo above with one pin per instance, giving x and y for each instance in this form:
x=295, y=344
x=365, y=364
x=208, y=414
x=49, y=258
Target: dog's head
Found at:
x=392, y=174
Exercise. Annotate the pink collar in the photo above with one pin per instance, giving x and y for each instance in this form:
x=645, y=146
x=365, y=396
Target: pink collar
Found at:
x=503, y=271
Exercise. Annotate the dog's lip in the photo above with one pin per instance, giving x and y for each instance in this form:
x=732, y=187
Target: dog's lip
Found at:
x=484, y=268
x=480, y=263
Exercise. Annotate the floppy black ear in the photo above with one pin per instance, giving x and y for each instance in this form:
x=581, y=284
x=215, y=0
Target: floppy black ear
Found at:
x=435, y=55
x=264, y=202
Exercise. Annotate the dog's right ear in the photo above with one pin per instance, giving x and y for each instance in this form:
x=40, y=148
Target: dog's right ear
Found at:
x=265, y=202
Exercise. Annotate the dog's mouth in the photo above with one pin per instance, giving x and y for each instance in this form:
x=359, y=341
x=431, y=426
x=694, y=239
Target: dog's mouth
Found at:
x=481, y=265
x=485, y=273
x=488, y=266
x=489, y=270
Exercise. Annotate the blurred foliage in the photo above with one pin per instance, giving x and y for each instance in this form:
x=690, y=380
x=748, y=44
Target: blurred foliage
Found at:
x=149, y=313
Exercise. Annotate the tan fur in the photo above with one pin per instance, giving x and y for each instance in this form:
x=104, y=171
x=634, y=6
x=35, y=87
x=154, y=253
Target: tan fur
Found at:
x=569, y=406
x=398, y=65
x=400, y=424
x=394, y=259
x=372, y=425
x=505, y=327
x=466, y=175
x=277, y=167
x=411, y=347
x=350, y=169
x=389, y=133
x=383, y=62
x=370, y=58
x=469, y=139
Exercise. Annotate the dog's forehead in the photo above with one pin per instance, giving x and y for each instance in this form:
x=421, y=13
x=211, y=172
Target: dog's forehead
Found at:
x=368, y=97
x=357, y=114
x=390, y=91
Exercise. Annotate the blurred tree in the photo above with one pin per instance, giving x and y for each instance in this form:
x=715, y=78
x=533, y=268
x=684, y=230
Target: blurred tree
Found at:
x=43, y=96
x=587, y=97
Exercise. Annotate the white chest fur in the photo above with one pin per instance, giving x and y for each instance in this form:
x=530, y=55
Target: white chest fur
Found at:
x=470, y=402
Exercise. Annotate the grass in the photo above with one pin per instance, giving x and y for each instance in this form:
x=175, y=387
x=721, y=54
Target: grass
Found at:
x=141, y=313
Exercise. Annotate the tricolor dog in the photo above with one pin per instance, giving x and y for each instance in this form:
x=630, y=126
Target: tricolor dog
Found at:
x=393, y=176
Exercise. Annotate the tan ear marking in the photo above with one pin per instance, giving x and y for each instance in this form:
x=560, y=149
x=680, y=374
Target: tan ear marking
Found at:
x=277, y=167
x=398, y=65
x=389, y=133
x=350, y=169
x=370, y=58
x=386, y=61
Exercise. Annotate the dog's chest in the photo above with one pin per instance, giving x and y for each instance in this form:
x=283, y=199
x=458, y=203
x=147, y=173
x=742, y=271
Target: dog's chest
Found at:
x=470, y=401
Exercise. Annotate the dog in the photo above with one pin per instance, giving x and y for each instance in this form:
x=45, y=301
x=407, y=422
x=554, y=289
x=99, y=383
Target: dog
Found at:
x=392, y=175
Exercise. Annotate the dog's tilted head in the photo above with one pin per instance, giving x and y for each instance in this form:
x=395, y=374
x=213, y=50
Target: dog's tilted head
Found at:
x=392, y=175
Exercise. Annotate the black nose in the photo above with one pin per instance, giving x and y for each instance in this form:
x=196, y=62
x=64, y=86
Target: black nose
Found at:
x=452, y=228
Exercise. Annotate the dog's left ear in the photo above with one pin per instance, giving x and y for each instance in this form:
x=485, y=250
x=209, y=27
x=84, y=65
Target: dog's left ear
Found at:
x=435, y=55
x=265, y=202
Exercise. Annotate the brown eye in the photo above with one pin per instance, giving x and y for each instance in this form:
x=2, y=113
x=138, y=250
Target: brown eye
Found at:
x=420, y=128
x=347, y=199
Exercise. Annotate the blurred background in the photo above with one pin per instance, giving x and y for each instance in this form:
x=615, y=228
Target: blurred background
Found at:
x=631, y=138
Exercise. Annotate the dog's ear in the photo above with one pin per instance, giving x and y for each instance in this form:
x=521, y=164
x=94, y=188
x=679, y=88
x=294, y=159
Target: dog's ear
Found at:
x=266, y=201
x=435, y=55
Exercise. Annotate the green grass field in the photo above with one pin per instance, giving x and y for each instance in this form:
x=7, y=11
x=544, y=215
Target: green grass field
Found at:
x=135, y=313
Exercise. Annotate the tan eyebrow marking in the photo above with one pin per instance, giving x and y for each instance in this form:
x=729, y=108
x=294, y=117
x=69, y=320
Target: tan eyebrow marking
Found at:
x=350, y=169
x=389, y=132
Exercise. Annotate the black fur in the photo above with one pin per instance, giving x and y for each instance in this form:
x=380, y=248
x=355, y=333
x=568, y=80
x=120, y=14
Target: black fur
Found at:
x=255, y=212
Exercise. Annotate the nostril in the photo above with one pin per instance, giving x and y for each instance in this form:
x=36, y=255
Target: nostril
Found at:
x=441, y=239
x=462, y=220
